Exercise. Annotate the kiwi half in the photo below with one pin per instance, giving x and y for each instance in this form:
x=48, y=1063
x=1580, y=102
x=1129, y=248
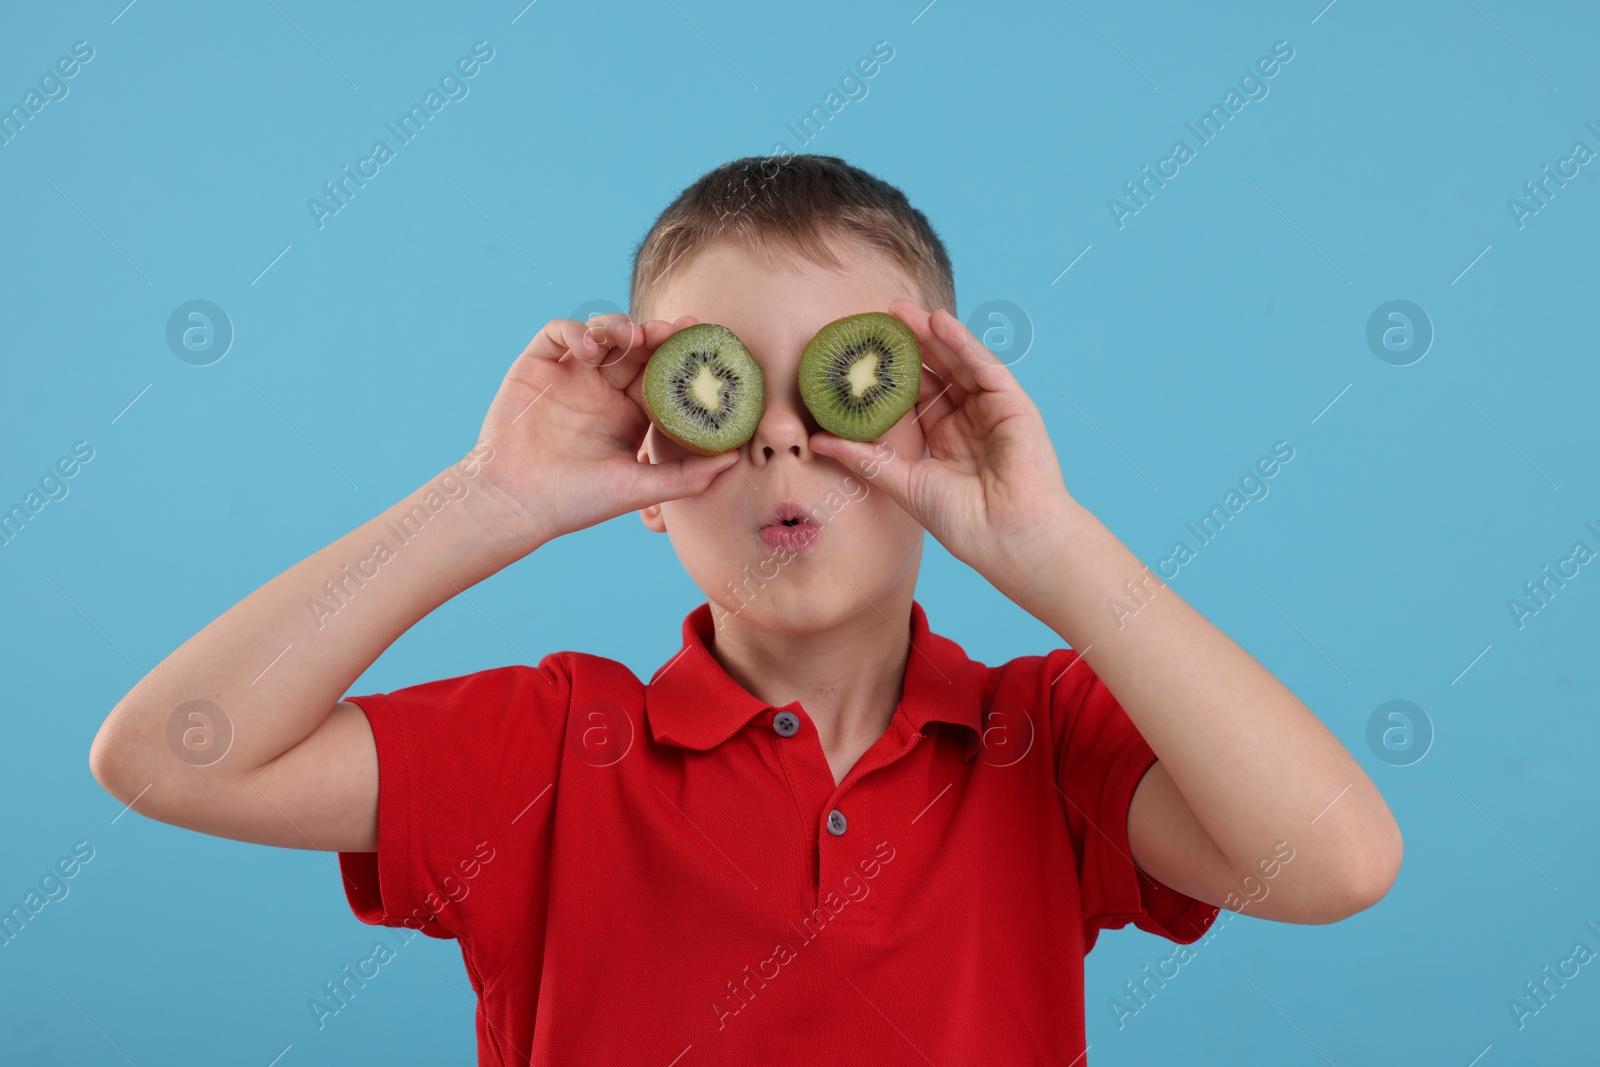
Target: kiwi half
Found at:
x=860, y=374
x=704, y=390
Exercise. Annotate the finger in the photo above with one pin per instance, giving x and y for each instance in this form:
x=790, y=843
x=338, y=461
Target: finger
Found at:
x=933, y=406
x=614, y=334
x=621, y=348
x=622, y=363
x=877, y=461
x=622, y=366
x=649, y=336
x=677, y=478
x=557, y=339
x=933, y=385
x=656, y=332
x=607, y=339
x=972, y=359
x=615, y=337
x=940, y=356
x=934, y=352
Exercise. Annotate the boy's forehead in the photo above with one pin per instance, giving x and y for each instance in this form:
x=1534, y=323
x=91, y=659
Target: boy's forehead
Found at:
x=774, y=296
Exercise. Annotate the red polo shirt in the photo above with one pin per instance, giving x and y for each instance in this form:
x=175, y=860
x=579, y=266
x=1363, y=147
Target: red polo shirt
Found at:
x=666, y=873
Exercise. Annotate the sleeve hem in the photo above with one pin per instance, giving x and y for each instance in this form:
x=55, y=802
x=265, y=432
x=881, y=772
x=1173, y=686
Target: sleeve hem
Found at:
x=376, y=884
x=1154, y=907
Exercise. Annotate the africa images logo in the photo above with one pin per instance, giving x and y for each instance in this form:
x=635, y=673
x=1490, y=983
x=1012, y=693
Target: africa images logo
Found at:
x=453, y=86
x=1207, y=128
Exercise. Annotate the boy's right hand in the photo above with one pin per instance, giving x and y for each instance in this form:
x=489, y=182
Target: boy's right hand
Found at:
x=566, y=426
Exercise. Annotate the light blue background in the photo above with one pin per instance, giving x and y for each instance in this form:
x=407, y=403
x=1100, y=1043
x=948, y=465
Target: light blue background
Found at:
x=1223, y=317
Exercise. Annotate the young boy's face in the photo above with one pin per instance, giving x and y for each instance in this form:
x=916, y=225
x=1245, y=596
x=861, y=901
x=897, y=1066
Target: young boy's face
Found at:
x=864, y=557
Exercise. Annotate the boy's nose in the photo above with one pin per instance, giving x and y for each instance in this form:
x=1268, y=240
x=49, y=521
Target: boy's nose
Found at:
x=785, y=427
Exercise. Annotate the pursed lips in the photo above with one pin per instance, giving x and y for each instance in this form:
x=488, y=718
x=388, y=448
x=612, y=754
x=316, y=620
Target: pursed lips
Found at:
x=790, y=526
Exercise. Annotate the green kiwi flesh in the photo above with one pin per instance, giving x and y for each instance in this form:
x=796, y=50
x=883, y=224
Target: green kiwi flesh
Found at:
x=860, y=374
x=704, y=390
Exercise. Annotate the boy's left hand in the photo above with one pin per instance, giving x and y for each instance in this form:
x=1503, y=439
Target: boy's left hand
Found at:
x=989, y=488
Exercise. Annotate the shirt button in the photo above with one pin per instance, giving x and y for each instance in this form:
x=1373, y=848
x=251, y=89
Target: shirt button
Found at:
x=786, y=723
x=836, y=822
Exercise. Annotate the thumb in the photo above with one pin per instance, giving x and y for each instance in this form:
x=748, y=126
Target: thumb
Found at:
x=677, y=478
x=876, y=461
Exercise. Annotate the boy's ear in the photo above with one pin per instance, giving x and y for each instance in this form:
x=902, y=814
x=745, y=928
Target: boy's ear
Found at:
x=651, y=516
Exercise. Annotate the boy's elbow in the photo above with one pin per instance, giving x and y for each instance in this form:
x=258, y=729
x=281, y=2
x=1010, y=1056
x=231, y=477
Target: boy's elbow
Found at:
x=1368, y=871
x=1379, y=869
x=108, y=764
x=101, y=764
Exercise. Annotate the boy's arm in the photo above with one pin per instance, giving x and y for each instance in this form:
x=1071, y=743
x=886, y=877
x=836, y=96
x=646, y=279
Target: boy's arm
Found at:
x=273, y=755
x=1242, y=764
x=298, y=767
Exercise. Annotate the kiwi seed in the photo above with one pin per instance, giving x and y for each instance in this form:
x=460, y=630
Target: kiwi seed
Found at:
x=860, y=374
x=704, y=390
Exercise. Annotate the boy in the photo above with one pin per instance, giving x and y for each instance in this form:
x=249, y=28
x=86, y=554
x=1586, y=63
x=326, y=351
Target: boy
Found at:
x=820, y=832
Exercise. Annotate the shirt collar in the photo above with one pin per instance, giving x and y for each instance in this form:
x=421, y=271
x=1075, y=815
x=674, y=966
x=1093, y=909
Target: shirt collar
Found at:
x=693, y=703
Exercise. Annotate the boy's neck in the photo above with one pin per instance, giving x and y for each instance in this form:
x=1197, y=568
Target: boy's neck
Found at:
x=848, y=678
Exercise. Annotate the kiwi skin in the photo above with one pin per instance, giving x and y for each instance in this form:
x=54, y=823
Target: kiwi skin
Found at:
x=732, y=350
x=816, y=390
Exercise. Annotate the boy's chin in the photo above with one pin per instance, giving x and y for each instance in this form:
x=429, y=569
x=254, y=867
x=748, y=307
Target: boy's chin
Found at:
x=813, y=609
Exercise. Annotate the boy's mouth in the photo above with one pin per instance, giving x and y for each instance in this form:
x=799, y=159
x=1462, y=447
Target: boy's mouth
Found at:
x=790, y=526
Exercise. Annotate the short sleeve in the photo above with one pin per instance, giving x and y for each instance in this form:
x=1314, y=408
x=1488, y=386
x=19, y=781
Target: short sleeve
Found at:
x=1100, y=758
x=459, y=759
